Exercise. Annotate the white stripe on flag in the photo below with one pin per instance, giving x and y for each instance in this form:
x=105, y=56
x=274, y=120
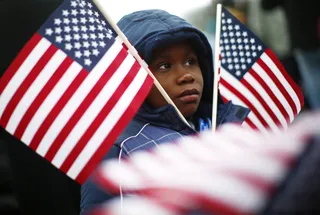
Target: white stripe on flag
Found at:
x=220, y=143
x=119, y=40
x=74, y=102
x=271, y=170
x=250, y=97
x=50, y=101
x=93, y=110
x=245, y=136
x=213, y=159
x=170, y=153
x=135, y=178
x=256, y=85
x=245, y=125
x=256, y=67
x=108, y=124
x=282, y=80
x=137, y=205
x=169, y=163
x=228, y=189
x=155, y=167
x=36, y=87
x=228, y=94
x=22, y=73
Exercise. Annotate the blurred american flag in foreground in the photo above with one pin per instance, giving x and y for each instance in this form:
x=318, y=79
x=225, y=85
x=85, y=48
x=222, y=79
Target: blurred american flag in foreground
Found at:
x=231, y=171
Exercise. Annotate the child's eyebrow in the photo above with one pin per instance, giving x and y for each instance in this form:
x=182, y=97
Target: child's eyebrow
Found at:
x=191, y=52
x=162, y=56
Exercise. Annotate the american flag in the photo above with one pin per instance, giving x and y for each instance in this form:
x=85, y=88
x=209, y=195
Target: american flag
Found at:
x=233, y=171
x=251, y=75
x=72, y=89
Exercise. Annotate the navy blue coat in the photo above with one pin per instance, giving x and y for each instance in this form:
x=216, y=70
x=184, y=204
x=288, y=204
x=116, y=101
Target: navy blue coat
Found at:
x=150, y=127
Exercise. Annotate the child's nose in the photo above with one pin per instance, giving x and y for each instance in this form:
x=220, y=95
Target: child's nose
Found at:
x=185, y=78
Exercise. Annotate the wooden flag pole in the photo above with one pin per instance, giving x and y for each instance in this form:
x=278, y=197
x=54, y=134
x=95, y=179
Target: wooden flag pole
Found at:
x=216, y=76
x=134, y=52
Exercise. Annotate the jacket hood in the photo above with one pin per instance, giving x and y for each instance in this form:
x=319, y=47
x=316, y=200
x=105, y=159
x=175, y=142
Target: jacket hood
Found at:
x=149, y=29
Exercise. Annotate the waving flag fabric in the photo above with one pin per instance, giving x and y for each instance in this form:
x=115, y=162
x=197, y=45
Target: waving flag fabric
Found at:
x=72, y=89
x=251, y=75
x=233, y=171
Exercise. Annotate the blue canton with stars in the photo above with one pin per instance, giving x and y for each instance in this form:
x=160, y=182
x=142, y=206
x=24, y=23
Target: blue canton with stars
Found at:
x=79, y=29
x=239, y=47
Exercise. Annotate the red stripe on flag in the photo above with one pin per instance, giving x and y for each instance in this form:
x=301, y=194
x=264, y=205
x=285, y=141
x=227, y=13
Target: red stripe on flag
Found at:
x=294, y=86
x=278, y=84
x=250, y=123
x=57, y=109
x=255, y=180
x=245, y=100
x=225, y=100
x=100, y=211
x=262, y=101
x=271, y=94
x=26, y=84
x=216, y=205
x=18, y=61
x=247, y=120
x=113, y=135
x=210, y=204
x=157, y=195
x=125, y=46
x=100, y=118
x=41, y=97
x=94, y=92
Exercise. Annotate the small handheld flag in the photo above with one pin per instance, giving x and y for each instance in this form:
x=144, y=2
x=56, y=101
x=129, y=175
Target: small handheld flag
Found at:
x=251, y=75
x=72, y=89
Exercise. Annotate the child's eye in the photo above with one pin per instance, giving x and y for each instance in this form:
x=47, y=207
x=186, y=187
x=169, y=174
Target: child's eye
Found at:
x=164, y=66
x=191, y=61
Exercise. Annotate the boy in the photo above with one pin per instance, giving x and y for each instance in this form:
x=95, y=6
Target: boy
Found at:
x=180, y=57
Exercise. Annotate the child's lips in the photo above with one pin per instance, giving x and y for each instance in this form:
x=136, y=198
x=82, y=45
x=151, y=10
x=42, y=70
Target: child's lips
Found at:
x=189, y=96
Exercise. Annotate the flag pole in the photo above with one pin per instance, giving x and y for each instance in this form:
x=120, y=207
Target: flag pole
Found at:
x=134, y=52
x=216, y=67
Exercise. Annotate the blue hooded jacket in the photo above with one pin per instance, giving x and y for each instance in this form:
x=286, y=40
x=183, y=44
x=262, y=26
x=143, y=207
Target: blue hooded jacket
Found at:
x=147, y=30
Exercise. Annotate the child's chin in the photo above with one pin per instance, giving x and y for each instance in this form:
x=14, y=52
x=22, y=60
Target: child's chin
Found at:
x=189, y=110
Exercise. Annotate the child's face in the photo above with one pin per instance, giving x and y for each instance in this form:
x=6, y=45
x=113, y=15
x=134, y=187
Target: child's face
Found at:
x=177, y=69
